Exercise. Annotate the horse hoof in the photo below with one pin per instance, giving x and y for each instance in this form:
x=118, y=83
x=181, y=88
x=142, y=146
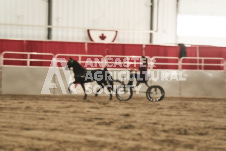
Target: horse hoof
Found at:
x=85, y=97
x=96, y=95
x=69, y=91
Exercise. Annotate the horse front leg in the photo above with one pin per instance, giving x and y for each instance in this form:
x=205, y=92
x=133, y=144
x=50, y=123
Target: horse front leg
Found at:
x=83, y=87
x=70, y=86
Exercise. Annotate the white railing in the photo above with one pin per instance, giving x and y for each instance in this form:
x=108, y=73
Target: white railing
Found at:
x=105, y=61
x=155, y=58
x=98, y=59
x=201, y=62
x=126, y=61
x=28, y=59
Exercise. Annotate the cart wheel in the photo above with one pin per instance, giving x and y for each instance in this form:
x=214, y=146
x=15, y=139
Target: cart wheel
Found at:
x=155, y=93
x=124, y=92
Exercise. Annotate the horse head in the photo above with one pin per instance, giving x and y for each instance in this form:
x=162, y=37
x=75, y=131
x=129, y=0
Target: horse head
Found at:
x=75, y=65
x=70, y=64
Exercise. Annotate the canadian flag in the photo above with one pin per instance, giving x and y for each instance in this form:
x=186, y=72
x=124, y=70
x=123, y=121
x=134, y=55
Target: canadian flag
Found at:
x=102, y=35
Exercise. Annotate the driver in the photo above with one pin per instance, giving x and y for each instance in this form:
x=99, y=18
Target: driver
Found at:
x=142, y=77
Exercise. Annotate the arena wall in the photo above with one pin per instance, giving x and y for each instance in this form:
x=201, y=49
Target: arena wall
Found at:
x=0, y=80
x=63, y=47
x=30, y=81
x=57, y=47
x=204, y=83
x=23, y=80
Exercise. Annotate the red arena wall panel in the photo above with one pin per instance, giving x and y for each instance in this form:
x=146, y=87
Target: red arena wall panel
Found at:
x=212, y=52
x=133, y=50
x=56, y=47
x=224, y=53
x=163, y=51
x=13, y=45
x=191, y=51
x=115, y=49
x=157, y=50
x=39, y=47
x=105, y=49
x=216, y=52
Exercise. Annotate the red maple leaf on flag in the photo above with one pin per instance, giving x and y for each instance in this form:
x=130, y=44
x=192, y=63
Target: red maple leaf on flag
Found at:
x=102, y=36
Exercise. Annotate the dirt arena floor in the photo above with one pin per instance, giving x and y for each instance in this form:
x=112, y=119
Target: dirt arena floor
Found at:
x=70, y=123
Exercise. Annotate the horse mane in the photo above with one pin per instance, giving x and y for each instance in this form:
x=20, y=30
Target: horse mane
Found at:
x=77, y=67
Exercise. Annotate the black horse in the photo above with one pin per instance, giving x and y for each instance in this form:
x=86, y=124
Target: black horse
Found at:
x=82, y=76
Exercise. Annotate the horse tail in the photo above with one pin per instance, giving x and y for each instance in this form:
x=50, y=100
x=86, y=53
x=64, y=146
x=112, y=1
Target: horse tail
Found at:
x=109, y=78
